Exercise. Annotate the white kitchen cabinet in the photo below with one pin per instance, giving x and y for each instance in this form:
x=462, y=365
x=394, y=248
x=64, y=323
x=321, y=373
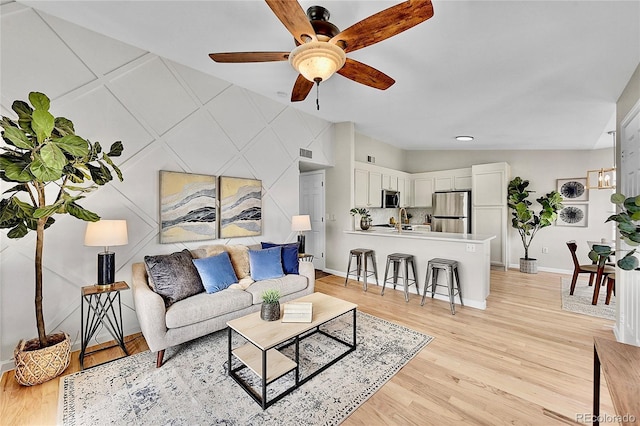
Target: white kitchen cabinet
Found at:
x=361, y=188
x=490, y=212
x=389, y=181
x=463, y=182
x=367, y=188
x=424, y=188
x=404, y=186
x=375, y=189
x=443, y=183
x=453, y=180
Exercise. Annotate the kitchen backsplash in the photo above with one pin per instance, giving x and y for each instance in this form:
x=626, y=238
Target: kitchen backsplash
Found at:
x=382, y=216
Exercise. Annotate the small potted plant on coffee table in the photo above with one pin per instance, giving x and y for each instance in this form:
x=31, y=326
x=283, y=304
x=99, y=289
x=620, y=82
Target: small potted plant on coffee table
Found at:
x=270, y=310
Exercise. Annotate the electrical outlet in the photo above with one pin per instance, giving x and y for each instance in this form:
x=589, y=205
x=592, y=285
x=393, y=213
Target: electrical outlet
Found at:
x=545, y=250
x=471, y=248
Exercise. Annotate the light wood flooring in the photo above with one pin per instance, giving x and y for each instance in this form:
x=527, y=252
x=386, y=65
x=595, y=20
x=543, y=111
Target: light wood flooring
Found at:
x=521, y=361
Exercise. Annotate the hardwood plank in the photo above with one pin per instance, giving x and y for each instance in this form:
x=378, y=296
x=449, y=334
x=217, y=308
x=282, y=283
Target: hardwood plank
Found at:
x=521, y=361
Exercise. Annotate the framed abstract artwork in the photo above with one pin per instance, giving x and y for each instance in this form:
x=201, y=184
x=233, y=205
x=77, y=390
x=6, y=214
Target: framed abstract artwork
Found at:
x=240, y=207
x=188, y=207
x=573, y=215
x=573, y=189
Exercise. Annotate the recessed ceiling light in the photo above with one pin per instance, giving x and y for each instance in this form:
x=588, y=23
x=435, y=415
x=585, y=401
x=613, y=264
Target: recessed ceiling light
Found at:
x=464, y=138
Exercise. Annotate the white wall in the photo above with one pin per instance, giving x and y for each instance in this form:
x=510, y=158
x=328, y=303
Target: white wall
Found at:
x=385, y=154
x=168, y=117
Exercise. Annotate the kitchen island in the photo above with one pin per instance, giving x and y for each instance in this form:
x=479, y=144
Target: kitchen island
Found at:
x=472, y=251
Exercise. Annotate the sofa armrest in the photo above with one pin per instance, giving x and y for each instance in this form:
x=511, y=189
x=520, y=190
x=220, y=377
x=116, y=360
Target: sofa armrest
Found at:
x=150, y=309
x=306, y=269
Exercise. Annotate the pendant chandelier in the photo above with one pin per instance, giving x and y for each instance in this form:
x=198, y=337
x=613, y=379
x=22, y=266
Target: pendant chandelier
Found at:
x=604, y=178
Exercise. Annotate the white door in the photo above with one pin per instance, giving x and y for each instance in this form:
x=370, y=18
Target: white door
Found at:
x=312, y=203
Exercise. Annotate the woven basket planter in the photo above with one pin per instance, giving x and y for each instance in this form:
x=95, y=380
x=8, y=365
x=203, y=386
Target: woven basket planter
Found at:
x=529, y=266
x=40, y=365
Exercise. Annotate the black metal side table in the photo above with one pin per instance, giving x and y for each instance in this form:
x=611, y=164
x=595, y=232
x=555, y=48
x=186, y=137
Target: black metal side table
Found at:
x=104, y=308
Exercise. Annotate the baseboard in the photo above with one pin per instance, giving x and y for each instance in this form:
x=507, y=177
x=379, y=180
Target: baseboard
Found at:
x=545, y=269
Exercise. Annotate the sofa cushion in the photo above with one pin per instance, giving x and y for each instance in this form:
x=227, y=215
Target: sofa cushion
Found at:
x=204, y=306
x=289, y=256
x=238, y=253
x=216, y=272
x=286, y=285
x=173, y=276
x=265, y=264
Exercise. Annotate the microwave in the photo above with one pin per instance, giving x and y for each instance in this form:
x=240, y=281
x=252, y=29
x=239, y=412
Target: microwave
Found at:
x=390, y=199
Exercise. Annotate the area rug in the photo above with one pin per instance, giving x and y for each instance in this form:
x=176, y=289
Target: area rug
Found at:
x=193, y=387
x=580, y=301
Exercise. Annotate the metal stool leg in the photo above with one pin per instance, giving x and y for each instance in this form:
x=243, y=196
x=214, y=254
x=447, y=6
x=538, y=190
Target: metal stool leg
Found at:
x=375, y=267
x=364, y=283
x=455, y=271
x=451, y=293
x=359, y=265
x=426, y=284
x=346, y=279
x=406, y=281
x=415, y=276
x=386, y=271
x=434, y=281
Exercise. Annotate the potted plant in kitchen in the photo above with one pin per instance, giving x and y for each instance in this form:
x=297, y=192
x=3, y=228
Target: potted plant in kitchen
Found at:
x=526, y=221
x=628, y=220
x=270, y=309
x=43, y=157
x=365, y=217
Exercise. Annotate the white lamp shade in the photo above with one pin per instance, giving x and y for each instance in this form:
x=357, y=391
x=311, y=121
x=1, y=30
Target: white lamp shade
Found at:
x=106, y=233
x=301, y=223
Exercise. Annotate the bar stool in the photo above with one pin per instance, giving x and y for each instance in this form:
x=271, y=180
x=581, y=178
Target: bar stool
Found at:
x=401, y=260
x=451, y=268
x=361, y=255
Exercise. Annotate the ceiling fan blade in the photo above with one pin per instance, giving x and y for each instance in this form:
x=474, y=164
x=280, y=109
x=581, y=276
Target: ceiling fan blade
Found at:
x=291, y=14
x=236, y=57
x=364, y=74
x=384, y=24
x=301, y=89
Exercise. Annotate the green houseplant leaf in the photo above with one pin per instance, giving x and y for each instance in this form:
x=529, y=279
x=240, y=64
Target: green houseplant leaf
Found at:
x=42, y=149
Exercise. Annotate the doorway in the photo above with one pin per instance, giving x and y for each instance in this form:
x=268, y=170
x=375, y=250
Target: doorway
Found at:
x=312, y=202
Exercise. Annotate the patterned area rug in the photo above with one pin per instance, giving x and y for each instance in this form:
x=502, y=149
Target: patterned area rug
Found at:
x=580, y=301
x=193, y=386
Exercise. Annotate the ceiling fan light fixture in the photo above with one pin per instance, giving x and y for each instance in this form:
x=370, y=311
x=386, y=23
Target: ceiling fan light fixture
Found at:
x=317, y=60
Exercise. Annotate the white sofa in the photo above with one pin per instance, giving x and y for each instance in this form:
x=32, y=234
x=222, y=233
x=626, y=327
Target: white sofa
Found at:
x=205, y=313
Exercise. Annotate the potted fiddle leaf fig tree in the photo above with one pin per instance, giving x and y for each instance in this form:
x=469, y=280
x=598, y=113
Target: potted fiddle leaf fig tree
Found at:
x=628, y=220
x=50, y=169
x=528, y=222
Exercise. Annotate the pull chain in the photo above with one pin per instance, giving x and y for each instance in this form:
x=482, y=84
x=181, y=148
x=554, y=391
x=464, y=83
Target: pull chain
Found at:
x=317, y=80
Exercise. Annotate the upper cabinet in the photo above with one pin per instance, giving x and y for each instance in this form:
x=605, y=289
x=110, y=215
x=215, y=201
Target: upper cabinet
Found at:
x=424, y=187
x=370, y=180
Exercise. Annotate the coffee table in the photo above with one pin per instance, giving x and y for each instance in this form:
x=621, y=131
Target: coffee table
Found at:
x=265, y=338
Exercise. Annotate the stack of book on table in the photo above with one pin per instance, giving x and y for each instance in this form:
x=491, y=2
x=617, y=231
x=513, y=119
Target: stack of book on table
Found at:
x=297, y=312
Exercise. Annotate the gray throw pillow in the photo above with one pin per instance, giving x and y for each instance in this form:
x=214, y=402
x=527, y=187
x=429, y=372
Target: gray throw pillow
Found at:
x=173, y=276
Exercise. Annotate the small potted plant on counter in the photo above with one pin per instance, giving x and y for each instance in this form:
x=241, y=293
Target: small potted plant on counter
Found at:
x=365, y=217
x=526, y=221
x=270, y=310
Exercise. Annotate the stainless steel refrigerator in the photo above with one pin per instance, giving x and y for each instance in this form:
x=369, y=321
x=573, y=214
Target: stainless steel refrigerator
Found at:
x=452, y=212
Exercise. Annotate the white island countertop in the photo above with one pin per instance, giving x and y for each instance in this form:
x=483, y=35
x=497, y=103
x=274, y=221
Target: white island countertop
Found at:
x=471, y=251
x=425, y=235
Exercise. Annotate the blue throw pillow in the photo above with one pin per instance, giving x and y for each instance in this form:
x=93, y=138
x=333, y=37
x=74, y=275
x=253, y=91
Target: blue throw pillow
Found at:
x=216, y=272
x=289, y=256
x=265, y=264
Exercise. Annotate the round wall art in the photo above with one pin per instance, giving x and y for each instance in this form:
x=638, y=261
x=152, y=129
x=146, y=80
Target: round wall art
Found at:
x=573, y=189
x=573, y=215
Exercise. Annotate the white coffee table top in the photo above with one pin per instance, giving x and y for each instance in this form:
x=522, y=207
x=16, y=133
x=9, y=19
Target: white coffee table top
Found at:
x=267, y=334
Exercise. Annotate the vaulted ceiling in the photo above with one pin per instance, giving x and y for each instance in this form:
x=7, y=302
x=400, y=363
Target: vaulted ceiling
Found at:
x=514, y=74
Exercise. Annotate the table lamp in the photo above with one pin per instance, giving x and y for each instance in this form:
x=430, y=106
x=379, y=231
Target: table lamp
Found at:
x=301, y=223
x=106, y=233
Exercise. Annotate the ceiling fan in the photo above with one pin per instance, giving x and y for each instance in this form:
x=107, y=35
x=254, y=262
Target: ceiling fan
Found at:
x=321, y=47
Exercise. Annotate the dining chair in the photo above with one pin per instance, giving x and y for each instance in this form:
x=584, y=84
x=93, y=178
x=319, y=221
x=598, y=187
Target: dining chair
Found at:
x=591, y=269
